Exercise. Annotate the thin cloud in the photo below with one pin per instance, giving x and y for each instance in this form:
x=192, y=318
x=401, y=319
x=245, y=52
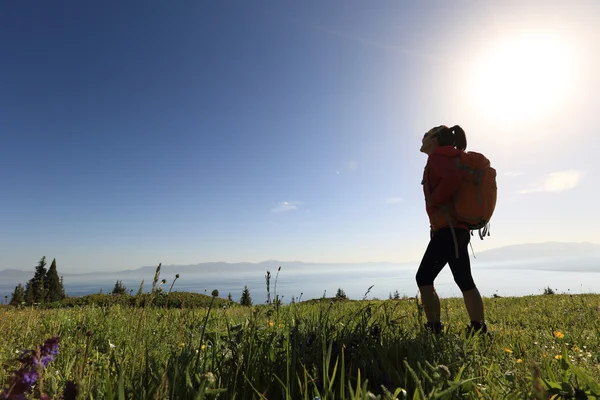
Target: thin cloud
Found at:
x=380, y=45
x=394, y=200
x=557, y=182
x=352, y=165
x=513, y=173
x=285, y=206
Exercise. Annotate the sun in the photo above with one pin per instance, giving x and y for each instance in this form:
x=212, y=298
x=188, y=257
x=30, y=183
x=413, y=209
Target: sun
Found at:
x=522, y=79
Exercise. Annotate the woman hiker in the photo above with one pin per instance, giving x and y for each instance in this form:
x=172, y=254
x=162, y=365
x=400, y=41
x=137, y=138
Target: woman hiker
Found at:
x=448, y=243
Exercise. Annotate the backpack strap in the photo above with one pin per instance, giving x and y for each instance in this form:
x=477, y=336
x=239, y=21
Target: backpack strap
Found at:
x=485, y=231
x=445, y=208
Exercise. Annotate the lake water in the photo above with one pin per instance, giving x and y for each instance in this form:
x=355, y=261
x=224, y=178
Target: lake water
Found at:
x=313, y=281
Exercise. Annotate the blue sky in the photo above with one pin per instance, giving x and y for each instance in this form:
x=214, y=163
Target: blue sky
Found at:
x=135, y=133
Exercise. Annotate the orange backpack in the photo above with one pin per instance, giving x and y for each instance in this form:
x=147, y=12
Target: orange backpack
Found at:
x=475, y=200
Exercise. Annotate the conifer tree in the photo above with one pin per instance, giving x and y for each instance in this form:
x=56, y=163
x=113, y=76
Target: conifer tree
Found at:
x=246, y=300
x=18, y=296
x=119, y=288
x=52, y=284
x=34, y=290
x=29, y=299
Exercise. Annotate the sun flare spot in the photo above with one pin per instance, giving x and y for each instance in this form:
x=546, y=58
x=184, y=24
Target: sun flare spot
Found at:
x=523, y=78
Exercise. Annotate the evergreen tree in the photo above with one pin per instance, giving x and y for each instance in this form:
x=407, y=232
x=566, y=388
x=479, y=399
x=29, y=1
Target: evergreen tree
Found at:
x=119, y=288
x=52, y=284
x=34, y=290
x=29, y=299
x=246, y=300
x=18, y=296
x=341, y=294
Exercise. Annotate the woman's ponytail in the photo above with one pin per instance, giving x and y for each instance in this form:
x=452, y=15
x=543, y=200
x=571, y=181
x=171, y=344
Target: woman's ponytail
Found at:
x=454, y=136
x=460, y=139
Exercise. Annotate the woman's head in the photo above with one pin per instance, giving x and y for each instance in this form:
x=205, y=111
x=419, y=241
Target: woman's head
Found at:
x=444, y=136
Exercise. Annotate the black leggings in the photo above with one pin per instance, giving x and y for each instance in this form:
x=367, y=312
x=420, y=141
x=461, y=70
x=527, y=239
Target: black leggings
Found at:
x=440, y=251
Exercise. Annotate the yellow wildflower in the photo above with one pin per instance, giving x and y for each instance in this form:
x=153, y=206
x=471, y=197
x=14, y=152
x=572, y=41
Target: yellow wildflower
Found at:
x=558, y=357
x=559, y=334
x=506, y=349
x=271, y=324
x=519, y=361
x=203, y=347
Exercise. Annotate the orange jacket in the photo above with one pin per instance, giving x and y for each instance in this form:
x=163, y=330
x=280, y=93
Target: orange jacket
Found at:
x=441, y=180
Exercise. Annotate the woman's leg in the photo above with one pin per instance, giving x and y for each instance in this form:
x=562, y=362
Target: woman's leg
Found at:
x=431, y=303
x=474, y=305
x=432, y=263
x=461, y=270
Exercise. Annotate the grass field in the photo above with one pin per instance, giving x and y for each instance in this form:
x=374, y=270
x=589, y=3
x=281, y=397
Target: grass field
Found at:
x=539, y=347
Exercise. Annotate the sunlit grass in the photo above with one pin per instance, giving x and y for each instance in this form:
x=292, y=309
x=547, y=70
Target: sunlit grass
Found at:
x=341, y=349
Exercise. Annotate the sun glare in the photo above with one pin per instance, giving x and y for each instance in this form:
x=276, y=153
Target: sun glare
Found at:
x=522, y=79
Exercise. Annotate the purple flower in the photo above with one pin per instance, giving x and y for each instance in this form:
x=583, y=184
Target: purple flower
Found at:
x=47, y=359
x=29, y=377
x=32, y=364
x=50, y=347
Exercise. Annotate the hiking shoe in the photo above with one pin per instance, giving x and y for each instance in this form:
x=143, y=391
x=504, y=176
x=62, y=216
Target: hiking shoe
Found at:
x=477, y=328
x=434, y=327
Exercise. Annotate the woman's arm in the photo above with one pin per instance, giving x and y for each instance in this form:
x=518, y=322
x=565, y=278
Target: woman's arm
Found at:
x=445, y=168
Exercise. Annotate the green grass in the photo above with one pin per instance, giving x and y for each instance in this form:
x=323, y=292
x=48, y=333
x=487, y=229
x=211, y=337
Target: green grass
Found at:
x=539, y=346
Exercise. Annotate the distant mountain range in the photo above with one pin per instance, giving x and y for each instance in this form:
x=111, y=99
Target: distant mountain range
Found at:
x=555, y=257
x=546, y=250
x=549, y=256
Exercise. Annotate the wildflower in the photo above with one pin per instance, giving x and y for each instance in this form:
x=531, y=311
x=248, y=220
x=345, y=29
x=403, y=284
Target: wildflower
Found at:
x=271, y=323
x=203, y=347
x=33, y=363
x=506, y=349
x=210, y=377
x=559, y=335
x=48, y=351
x=519, y=361
x=558, y=357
